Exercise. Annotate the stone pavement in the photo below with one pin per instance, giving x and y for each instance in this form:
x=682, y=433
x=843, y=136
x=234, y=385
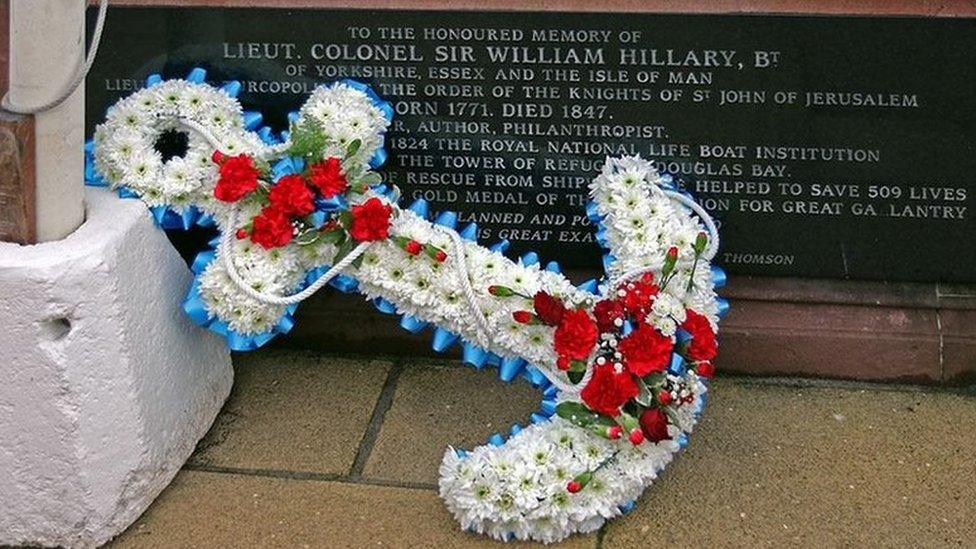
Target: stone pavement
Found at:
x=322, y=451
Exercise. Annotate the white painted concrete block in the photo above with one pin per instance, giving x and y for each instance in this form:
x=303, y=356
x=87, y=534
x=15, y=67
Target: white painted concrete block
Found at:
x=105, y=385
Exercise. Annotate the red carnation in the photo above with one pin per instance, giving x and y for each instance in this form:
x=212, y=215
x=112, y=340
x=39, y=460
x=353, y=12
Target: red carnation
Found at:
x=645, y=350
x=606, y=312
x=370, y=220
x=238, y=176
x=654, y=423
x=292, y=196
x=272, y=228
x=328, y=178
x=638, y=298
x=705, y=369
x=522, y=317
x=636, y=437
x=549, y=309
x=608, y=390
x=576, y=335
x=413, y=247
x=703, y=346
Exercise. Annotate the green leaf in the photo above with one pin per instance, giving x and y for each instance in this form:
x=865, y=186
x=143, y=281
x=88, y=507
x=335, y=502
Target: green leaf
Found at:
x=353, y=147
x=577, y=366
x=358, y=262
x=332, y=237
x=307, y=237
x=262, y=165
x=372, y=178
x=500, y=291
x=672, y=415
x=643, y=397
x=655, y=380
x=575, y=377
x=700, y=242
x=584, y=478
x=579, y=414
x=627, y=421
x=344, y=249
x=308, y=139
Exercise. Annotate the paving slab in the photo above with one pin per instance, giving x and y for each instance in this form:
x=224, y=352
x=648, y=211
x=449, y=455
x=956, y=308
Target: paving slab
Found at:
x=203, y=509
x=439, y=405
x=804, y=467
x=294, y=411
x=770, y=465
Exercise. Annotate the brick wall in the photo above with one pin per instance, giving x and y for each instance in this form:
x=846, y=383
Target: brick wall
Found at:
x=945, y=8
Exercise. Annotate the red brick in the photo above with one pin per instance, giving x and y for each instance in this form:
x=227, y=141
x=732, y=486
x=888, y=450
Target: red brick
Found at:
x=826, y=340
x=959, y=345
x=946, y=8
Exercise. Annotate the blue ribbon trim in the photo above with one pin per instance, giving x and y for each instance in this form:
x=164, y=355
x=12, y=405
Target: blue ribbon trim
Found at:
x=196, y=309
x=379, y=158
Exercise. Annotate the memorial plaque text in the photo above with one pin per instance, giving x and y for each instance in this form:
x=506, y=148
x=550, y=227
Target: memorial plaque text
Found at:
x=826, y=146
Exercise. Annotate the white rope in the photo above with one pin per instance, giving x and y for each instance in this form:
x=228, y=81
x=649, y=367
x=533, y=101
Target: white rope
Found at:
x=225, y=251
x=708, y=253
x=484, y=329
x=202, y=130
x=460, y=262
x=712, y=248
x=79, y=77
x=568, y=388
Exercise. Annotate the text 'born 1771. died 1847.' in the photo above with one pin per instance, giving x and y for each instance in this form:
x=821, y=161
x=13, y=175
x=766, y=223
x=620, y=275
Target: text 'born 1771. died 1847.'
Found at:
x=825, y=146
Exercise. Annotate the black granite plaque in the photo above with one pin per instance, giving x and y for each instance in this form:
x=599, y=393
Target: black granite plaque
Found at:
x=839, y=147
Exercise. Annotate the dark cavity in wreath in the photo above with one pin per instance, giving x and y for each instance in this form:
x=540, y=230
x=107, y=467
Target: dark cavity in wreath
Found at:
x=172, y=143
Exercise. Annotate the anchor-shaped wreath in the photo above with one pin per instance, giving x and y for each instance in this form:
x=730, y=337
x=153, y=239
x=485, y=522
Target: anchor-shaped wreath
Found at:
x=622, y=363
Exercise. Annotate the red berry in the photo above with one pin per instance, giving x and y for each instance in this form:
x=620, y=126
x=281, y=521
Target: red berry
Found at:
x=218, y=157
x=413, y=247
x=241, y=234
x=573, y=487
x=522, y=317
x=440, y=256
x=664, y=397
x=614, y=432
x=636, y=436
x=562, y=363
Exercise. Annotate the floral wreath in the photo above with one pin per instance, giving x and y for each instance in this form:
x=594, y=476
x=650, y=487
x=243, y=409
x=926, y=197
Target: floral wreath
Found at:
x=623, y=363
